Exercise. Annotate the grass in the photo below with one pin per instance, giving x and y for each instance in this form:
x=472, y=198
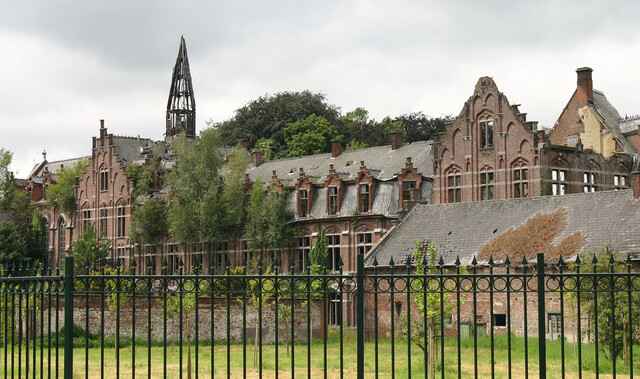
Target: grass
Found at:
x=241, y=360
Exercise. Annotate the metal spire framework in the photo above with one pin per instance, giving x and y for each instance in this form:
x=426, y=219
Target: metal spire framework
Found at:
x=181, y=107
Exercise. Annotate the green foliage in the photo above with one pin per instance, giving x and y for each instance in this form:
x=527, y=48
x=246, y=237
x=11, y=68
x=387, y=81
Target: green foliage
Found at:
x=268, y=116
x=419, y=127
x=319, y=253
x=149, y=221
x=312, y=135
x=391, y=126
x=355, y=145
x=267, y=223
x=61, y=194
x=7, y=185
x=12, y=245
x=88, y=250
x=231, y=220
x=267, y=146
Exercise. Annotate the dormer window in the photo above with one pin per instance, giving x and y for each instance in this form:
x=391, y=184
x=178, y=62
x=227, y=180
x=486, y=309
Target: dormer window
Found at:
x=303, y=200
x=486, y=134
x=407, y=186
x=364, y=198
x=333, y=200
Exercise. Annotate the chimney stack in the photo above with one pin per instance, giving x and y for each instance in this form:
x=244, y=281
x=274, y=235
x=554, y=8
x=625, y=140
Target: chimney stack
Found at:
x=585, y=84
x=244, y=144
x=257, y=157
x=335, y=148
x=396, y=140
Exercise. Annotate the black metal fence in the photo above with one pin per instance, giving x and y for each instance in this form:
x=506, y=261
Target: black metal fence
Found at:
x=400, y=320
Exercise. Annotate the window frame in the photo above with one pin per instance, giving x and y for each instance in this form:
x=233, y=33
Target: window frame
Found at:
x=332, y=194
x=104, y=217
x=364, y=242
x=407, y=186
x=590, y=179
x=620, y=181
x=333, y=246
x=454, y=187
x=365, y=191
x=104, y=180
x=302, y=252
x=487, y=186
x=62, y=238
x=121, y=213
x=486, y=134
x=520, y=182
x=303, y=202
x=559, y=182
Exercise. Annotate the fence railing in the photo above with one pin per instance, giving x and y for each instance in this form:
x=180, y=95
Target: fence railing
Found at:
x=404, y=320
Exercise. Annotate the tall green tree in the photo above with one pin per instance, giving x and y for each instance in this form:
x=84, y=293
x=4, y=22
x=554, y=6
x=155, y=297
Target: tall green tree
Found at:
x=61, y=194
x=7, y=185
x=89, y=249
x=206, y=198
x=268, y=116
x=312, y=135
x=417, y=126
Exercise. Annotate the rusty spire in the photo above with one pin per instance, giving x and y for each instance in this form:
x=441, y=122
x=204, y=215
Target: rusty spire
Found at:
x=181, y=107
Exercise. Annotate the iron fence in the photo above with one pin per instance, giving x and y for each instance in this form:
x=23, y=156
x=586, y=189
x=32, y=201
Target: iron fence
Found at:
x=397, y=320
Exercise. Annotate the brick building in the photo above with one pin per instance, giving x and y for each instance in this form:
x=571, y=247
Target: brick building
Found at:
x=490, y=151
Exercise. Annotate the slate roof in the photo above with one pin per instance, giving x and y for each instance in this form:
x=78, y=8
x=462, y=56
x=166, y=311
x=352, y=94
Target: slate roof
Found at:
x=383, y=163
x=612, y=118
x=37, y=172
x=461, y=229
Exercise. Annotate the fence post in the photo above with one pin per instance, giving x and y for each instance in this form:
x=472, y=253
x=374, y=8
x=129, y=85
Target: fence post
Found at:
x=360, y=314
x=542, y=349
x=68, y=318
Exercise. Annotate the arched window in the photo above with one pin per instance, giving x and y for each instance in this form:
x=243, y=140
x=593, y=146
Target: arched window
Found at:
x=486, y=184
x=454, y=186
x=521, y=180
x=86, y=217
x=104, y=179
x=61, y=237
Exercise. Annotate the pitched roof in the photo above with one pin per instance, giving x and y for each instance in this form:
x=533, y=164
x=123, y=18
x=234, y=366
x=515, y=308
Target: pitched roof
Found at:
x=383, y=162
x=461, y=229
x=612, y=118
x=37, y=172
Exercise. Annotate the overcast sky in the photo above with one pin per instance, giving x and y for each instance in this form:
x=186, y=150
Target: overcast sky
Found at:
x=67, y=64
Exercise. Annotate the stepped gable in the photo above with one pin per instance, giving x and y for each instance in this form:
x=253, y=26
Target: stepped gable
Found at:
x=461, y=229
x=383, y=162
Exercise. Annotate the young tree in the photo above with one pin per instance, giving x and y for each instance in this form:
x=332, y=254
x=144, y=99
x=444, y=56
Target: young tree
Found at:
x=89, y=250
x=430, y=304
x=61, y=194
x=7, y=185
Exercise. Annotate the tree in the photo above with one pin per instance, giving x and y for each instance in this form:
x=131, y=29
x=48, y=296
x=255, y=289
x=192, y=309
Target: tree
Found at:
x=312, y=135
x=430, y=303
x=89, y=250
x=267, y=146
x=61, y=194
x=7, y=185
x=269, y=115
x=204, y=205
x=12, y=245
x=359, y=130
x=419, y=127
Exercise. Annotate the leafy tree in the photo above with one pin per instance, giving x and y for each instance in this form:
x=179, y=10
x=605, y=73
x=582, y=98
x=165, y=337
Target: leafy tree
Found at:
x=419, y=127
x=429, y=303
x=359, y=130
x=391, y=126
x=89, y=250
x=355, y=145
x=319, y=253
x=312, y=135
x=61, y=194
x=12, y=245
x=269, y=115
x=267, y=223
x=205, y=206
x=7, y=185
x=267, y=146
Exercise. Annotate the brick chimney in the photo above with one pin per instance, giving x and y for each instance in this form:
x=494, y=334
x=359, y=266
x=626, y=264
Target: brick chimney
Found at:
x=103, y=130
x=257, y=157
x=244, y=144
x=635, y=184
x=335, y=148
x=396, y=140
x=585, y=84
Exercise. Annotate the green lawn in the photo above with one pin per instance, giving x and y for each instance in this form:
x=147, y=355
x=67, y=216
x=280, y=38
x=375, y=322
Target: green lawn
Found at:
x=333, y=362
